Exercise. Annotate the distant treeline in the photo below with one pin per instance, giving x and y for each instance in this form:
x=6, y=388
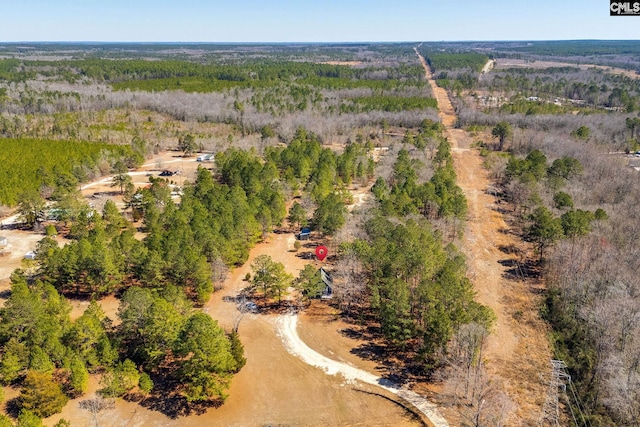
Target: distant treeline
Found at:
x=455, y=61
x=114, y=71
x=577, y=47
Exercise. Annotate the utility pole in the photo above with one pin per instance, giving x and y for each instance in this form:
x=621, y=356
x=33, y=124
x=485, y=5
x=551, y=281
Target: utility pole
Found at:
x=551, y=410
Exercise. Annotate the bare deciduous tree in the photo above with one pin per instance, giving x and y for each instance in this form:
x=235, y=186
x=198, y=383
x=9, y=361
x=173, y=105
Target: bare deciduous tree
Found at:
x=219, y=272
x=479, y=397
x=95, y=406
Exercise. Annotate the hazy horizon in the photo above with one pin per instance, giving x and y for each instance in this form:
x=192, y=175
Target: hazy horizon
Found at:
x=332, y=21
x=347, y=42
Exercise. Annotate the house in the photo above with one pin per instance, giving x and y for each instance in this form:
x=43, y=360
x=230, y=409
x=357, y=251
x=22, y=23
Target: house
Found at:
x=30, y=255
x=3, y=241
x=327, y=293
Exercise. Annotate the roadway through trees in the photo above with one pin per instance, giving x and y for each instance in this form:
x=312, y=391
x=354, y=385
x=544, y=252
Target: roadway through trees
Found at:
x=517, y=350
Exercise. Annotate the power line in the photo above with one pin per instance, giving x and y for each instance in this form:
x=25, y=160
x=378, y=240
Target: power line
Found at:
x=557, y=384
x=579, y=404
x=551, y=409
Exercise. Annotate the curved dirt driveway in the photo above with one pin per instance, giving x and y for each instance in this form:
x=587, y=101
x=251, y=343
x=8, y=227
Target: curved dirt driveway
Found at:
x=287, y=329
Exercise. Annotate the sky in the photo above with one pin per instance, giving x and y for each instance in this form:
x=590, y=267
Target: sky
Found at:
x=310, y=21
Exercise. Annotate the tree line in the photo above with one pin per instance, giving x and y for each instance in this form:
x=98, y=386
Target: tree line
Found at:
x=577, y=211
x=455, y=60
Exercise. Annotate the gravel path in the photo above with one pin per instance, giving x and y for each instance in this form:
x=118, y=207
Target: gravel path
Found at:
x=287, y=329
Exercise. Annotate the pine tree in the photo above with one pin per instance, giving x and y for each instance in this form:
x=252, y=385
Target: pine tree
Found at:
x=237, y=350
x=41, y=395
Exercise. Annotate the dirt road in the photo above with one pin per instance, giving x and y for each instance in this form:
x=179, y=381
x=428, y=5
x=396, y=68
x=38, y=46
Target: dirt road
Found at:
x=487, y=67
x=517, y=350
x=446, y=112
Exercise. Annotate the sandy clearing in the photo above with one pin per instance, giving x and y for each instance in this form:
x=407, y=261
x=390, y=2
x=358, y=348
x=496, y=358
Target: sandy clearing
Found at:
x=12, y=255
x=19, y=242
x=287, y=329
x=360, y=197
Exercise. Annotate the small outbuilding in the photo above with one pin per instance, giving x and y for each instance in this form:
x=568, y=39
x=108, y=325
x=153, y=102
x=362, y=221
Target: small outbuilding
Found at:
x=304, y=234
x=3, y=241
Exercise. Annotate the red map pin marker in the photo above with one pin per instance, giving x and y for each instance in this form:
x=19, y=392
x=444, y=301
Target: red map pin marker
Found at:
x=321, y=252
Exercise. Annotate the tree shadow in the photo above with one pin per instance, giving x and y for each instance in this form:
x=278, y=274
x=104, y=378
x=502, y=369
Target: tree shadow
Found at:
x=106, y=193
x=520, y=270
x=371, y=351
x=502, y=210
x=13, y=226
x=395, y=367
x=353, y=333
x=415, y=415
x=275, y=307
x=306, y=255
x=400, y=376
x=510, y=249
x=12, y=407
x=166, y=400
x=176, y=406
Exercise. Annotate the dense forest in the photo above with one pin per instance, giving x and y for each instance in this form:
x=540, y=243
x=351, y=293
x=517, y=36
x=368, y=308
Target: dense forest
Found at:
x=38, y=165
x=440, y=61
